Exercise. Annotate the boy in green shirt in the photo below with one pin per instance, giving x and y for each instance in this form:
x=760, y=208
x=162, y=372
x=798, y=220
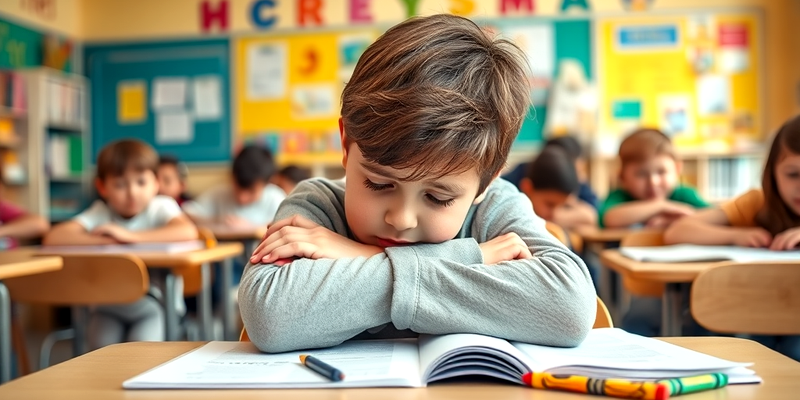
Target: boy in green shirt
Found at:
x=650, y=194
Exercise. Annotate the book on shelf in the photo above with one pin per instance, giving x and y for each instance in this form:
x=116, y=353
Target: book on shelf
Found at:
x=65, y=107
x=13, y=97
x=606, y=353
x=692, y=252
x=65, y=155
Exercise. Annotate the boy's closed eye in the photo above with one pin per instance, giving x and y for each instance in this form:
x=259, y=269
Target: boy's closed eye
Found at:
x=377, y=187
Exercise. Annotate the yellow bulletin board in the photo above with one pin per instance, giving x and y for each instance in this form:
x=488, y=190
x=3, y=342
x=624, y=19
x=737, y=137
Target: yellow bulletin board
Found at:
x=288, y=90
x=696, y=76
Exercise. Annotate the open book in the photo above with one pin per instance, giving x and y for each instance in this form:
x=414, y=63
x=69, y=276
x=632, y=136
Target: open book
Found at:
x=606, y=353
x=691, y=252
x=155, y=247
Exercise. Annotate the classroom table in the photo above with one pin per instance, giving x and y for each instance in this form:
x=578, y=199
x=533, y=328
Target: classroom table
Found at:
x=200, y=258
x=670, y=274
x=13, y=264
x=99, y=375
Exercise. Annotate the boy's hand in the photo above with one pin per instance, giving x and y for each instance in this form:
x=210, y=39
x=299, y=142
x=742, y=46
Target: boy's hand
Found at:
x=677, y=210
x=505, y=248
x=115, y=232
x=299, y=237
x=786, y=240
x=753, y=237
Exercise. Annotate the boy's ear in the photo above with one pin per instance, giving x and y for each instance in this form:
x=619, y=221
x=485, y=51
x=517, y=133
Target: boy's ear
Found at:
x=483, y=195
x=343, y=139
x=101, y=188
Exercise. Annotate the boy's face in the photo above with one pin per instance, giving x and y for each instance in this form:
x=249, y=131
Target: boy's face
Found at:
x=653, y=179
x=130, y=193
x=248, y=195
x=169, y=181
x=787, y=177
x=383, y=211
x=546, y=201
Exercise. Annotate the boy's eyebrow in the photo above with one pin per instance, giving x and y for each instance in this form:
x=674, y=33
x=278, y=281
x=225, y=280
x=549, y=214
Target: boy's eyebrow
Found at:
x=447, y=187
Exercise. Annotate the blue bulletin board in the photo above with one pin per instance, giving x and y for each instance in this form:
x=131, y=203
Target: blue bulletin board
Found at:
x=172, y=95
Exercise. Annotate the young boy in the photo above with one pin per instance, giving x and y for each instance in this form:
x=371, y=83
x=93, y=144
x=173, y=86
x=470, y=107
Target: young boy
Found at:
x=289, y=176
x=549, y=182
x=131, y=212
x=249, y=200
x=16, y=223
x=172, y=175
x=419, y=237
x=650, y=194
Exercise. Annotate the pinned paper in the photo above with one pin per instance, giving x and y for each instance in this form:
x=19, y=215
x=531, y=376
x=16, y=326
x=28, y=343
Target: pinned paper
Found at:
x=174, y=128
x=206, y=91
x=266, y=71
x=169, y=93
x=131, y=103
x=713, y=95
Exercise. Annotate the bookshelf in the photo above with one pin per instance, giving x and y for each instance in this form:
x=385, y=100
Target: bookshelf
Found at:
x=46, y=149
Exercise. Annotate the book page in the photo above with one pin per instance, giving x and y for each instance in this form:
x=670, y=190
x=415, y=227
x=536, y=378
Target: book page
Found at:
x=612, y=352
x=469, y=354
x=691, y=252
x=240, y=365
x=153, y=247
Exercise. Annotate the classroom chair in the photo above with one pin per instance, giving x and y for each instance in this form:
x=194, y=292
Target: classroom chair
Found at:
x=572, y=240
x=756, y=298
x=602, y=320
x=193, y=284
x=84, y=281
x=645, y=238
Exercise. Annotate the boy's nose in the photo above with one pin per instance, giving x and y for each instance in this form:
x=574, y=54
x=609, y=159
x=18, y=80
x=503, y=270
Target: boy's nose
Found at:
x=401, y=218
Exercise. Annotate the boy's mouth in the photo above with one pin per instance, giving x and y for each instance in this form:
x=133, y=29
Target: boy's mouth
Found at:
x=392, y=243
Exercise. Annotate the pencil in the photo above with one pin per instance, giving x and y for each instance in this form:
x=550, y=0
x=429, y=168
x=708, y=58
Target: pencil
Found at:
x=322, y=368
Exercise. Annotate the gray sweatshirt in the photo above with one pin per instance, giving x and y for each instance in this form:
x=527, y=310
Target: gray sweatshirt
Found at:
x=425, y=288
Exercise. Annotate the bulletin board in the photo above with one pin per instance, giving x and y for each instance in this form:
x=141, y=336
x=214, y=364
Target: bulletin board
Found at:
x=288, y=87
x=172, y=95
x=695, y=76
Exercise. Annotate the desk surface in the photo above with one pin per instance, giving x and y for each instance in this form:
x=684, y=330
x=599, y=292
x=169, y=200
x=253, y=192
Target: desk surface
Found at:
x=655, y=271
x=593, y=234
x=100, y=374
x=225, y=233
x=220, y=252
x=16, y=263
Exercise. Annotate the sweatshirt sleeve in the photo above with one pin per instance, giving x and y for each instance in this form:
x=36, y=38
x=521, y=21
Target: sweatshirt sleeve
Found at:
x=429, y=288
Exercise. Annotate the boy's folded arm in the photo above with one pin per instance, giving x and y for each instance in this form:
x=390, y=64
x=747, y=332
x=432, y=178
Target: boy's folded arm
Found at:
x=445, y=288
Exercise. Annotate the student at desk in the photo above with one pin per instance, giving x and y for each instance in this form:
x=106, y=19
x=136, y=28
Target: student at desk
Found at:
x=420, y=237
x=651, y=196
x=769, y=217
x=130, y=212
x=16, y=223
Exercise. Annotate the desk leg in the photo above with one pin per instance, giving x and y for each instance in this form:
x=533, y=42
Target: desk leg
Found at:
x=671, y=310
x=227, y=303
x=170, y=313
x=204, y=303
x=80, y=320
x=606, y=282
x=5, y=334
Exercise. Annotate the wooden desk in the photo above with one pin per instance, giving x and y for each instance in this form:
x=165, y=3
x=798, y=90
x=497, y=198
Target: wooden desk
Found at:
x=670, y=274
x=99, y=375
x=16, y=263
x=192, y=259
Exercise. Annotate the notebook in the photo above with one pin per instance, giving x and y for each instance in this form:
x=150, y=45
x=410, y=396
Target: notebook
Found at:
x=691, y=252
x=167, y=247
x=606, y=353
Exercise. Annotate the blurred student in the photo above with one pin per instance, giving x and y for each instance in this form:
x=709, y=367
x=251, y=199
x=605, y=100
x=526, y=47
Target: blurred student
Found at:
x=248, y=200
x=289, y=176
x=768, y=217
x=650, y=194
x=172, y=175
x=16, y=223
x=131, y=212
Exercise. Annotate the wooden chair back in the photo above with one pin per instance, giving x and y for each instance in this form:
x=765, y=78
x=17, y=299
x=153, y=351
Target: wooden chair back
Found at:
x=757, y=298
x=558, y=232
x=603, y=317
x=602, y=320
x=192, y=278
x=85, y=280
x=645, y=238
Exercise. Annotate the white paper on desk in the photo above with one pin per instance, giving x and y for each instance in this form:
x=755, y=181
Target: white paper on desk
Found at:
x=156, y=247
x=206, y=95
x=169, y=93
x=691, y=252
x=239, y=365
x=174, y=127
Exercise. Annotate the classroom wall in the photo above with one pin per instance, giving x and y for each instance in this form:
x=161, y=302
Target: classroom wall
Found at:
x=60, y=16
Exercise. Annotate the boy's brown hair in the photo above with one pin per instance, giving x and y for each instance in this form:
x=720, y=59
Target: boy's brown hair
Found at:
x=643, y=144
x=776, y=216
x=120, y=156
x=437, y=95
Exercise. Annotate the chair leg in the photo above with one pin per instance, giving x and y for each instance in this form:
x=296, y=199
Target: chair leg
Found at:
x=48, y=343
x=18, y=342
